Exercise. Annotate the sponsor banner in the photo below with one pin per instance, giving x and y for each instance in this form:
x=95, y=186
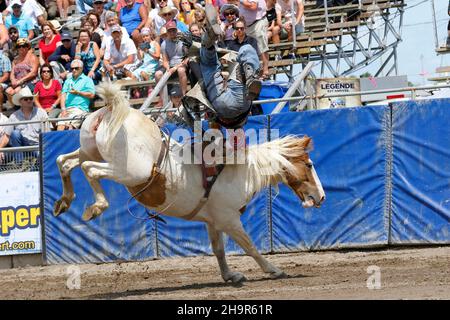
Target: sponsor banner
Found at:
x=338, y=85
x=20, y=229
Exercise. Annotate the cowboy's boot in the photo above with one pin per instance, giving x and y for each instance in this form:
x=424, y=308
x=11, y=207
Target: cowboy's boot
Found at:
x=252, y=82
x=212, y=27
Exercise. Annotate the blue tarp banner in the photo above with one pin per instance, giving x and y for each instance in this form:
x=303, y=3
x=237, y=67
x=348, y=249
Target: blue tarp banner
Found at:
x=421, y=172
x=115, y=235
x=349, y=157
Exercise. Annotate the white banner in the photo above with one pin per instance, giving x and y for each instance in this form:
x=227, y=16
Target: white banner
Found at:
x=20, y=226
x=338, y=85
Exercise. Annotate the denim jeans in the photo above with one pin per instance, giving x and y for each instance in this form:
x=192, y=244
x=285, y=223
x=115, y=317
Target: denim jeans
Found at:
x=228, y=102
x=17, y=140
x=81, y=5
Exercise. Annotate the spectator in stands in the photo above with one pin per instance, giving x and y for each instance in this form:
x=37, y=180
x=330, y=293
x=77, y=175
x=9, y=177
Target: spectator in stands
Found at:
x=95, y=19
x=149, y=53
x=63, y=6
x=3, y=34
x=231, y=14
x=172, y=56
x=10, y=47
x=240, y=38
x=24, y=68
x=77, y=93
x=47, y=45
x=122, y=3
x=31, y=9
x=111, y=20
x=51, y=7
x=120, y=54
x=154, y=20
x=133, y=17
x=273, y=15
x=21, y=21
x=64, y=54
x=200, y=18
x=254, y=14
x=83, y=6
x=88, y=52
x=99, y=9
x=5, y=71
x=187, y=12
x=89, y=25
x=286, y=13
x=21, y=135
x=169, y=14
x=48, y=92
x=4, y=136
x=196, y=31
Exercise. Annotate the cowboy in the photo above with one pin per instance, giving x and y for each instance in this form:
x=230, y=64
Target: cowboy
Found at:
x=230, y=99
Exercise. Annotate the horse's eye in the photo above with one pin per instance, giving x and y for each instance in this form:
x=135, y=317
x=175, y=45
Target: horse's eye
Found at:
x=309, y=165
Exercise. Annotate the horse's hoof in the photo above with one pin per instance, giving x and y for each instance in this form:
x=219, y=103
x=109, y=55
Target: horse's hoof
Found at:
x=59, y=207
x=236, y=277
x=278, y=275
x=91, y=213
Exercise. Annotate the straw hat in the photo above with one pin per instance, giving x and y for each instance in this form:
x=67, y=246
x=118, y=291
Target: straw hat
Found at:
x=55, y=24
x=168, y=9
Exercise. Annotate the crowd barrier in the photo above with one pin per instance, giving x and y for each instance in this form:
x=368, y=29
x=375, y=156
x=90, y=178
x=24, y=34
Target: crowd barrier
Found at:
x=385, y=171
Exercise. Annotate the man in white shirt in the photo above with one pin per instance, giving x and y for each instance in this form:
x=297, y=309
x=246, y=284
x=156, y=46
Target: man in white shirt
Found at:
x=30, y=9
x=120, y=53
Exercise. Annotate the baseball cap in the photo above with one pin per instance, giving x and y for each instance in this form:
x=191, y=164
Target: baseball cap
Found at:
x=99, y=1
x=170, y=25
x=66, y=36
x=175, y=91
x=13, y=27
x=16, y=5
x=116, y=28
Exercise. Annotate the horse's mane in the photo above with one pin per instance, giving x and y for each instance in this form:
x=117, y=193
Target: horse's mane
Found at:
x=269, y=163
x=120, y=106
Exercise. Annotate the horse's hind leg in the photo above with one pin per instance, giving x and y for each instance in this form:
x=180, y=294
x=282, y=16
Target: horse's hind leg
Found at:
x=93, y=172
x=66, y=163
x=236, y=231
x=219, y=251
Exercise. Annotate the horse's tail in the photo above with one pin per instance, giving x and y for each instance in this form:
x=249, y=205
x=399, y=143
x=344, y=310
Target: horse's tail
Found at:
x=120, y=106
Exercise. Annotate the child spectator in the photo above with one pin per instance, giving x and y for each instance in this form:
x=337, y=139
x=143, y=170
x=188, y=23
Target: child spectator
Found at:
x=48, y=92
x=149, y=54
x=88, y=52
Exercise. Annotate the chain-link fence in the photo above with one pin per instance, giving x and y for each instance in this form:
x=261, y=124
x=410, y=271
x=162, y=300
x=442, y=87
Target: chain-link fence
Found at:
x=24, y=159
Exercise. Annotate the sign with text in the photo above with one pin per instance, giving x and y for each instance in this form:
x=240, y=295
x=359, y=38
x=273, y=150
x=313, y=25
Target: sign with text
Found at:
x=20, y=228
x=338, y=85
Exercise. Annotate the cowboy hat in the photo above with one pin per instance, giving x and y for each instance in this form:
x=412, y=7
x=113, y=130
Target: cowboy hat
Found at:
x=168, y=9
x=25, y=92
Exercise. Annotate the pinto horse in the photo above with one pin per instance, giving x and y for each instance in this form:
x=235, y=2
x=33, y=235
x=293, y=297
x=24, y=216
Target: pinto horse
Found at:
x=122, y=144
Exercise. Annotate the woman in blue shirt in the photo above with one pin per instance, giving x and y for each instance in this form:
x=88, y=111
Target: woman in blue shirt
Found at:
x=133, y=17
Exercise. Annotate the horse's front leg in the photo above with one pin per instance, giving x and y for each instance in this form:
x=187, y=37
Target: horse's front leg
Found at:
x=66, y=163
x=93, y=172
x=232, y=225
x=219, y=251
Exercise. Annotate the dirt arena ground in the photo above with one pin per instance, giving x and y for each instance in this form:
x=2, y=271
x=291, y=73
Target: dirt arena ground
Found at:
x=406, y=273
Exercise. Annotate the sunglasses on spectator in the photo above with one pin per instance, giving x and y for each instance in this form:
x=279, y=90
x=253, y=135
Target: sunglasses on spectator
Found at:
x=159, y=1
x=167, y=14
x=239, y=28
x=27, y=99
x=45, y=71
x=228, y=14
x=13, y=32
x=75, y=68
x=22, y=46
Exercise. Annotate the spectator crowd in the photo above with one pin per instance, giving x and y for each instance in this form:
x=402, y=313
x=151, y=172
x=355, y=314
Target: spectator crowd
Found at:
x=47, y=71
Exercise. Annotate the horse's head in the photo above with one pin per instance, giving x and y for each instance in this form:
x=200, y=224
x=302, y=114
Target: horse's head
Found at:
x=304, y=180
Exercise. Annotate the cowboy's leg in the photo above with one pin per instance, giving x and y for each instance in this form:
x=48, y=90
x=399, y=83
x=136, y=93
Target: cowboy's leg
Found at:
x=249, y=62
